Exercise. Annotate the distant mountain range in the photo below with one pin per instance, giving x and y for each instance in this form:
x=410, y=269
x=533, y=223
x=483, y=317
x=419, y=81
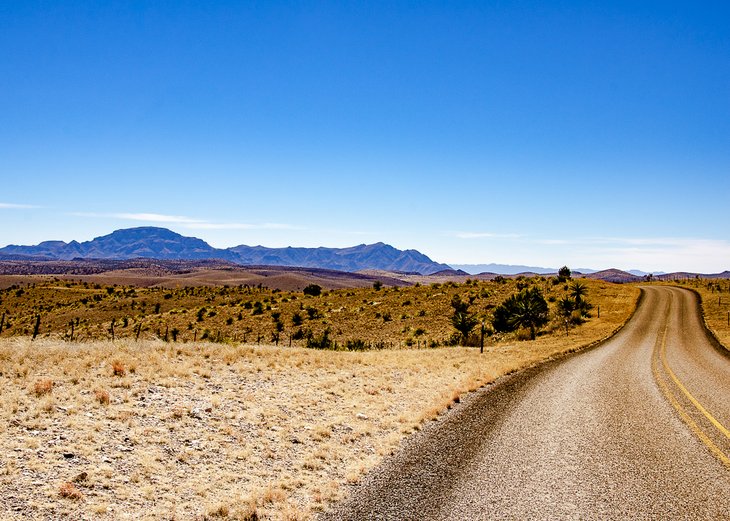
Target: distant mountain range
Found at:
x=161, y=243
x=506, y=269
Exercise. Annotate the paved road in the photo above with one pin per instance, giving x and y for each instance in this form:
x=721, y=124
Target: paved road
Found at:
x=633, y=429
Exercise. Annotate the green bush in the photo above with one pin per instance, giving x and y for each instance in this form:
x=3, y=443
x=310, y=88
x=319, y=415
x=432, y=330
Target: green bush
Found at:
x=527, y=309
x=313, y=289
x=322, y=341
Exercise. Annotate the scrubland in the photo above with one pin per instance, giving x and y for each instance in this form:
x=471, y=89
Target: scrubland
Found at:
x=150, y=429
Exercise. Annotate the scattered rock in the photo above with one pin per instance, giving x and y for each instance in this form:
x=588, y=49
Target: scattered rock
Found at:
x=69, y=455
x=361, y=416
x=81, y=477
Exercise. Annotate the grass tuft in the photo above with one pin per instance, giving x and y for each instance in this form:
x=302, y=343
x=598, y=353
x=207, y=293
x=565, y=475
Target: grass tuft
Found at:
x=102, y=396
x=68, y=490
x=118, y=368
x=43, y=387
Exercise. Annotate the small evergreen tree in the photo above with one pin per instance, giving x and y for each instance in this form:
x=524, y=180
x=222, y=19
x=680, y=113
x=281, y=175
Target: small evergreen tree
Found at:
x=463, y=321
x=564, y=274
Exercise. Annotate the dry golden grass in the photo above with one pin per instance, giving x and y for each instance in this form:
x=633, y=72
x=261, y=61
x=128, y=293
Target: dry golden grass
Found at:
x=219, y=431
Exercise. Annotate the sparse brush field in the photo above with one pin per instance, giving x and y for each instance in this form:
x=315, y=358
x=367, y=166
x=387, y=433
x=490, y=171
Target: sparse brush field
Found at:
x=150, y=429
x=715, y=304
x=359, y=318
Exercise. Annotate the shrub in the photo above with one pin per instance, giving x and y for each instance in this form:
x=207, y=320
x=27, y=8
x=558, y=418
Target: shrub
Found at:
x=102, y=396
x=321, y=342
x=69, y=490
x=564, y=274
x=526, y=309
x=356, y=345
x=462, y=320
x=118, y=368
x=313, y=289
x=43, y=387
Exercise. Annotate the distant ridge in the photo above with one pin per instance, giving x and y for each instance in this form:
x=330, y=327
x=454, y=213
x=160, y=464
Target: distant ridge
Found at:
x=614, y=275
x=160, y=243
x=451, y=273
x=511, y=269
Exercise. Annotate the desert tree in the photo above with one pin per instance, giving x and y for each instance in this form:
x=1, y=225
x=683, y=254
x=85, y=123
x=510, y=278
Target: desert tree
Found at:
x=565, y=308
x=36, y=327
x=564, y=274
x=313, y=289
x=527, y=309
x=578, y=292
x=463, y=321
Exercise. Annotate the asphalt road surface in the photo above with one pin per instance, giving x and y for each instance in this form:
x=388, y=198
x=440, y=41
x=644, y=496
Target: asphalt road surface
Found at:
x=636, y=428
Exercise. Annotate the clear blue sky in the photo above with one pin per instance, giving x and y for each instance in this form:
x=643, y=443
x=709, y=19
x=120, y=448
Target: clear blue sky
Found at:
x=592, y=134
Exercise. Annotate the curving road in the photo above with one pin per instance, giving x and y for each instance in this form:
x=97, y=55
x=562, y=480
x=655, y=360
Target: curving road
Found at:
x=636, y=428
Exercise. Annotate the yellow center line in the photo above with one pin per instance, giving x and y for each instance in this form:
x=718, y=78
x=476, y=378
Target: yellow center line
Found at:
x=716, y=451
x=684, y=390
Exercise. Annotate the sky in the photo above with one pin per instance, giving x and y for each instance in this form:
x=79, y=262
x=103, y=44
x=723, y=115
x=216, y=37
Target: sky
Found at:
x=591, y=134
